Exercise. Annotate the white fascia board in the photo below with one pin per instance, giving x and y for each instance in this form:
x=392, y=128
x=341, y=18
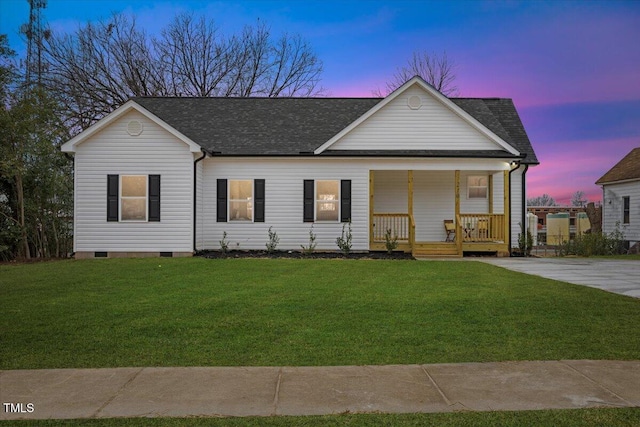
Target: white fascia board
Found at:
x=438, y=96
x=70, y=146
x=622, y=181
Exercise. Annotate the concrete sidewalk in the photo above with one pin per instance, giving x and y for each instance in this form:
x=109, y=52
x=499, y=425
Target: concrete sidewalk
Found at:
x=267, y=391
x=617, y=276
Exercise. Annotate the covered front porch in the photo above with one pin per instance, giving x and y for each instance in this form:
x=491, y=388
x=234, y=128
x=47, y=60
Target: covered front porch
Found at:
x=440, y=212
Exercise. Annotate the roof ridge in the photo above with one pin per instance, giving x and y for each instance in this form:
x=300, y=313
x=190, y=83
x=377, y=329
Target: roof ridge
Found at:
x=258, y=97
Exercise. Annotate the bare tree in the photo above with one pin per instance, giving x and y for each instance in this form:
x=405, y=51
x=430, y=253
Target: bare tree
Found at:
x=194, y=56
x=578, y=199
x=437, y=70
x=101, y=65
x=544, y=200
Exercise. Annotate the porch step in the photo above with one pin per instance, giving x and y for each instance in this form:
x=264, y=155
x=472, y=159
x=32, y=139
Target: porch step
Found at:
x=436, y=249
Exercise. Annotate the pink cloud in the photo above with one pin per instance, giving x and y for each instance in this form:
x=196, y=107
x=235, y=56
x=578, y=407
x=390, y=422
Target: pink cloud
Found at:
x=567, y=167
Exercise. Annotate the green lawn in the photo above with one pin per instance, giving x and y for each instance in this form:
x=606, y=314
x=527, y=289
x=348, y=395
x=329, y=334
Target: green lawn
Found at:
x=627, y=417
x=263, y=312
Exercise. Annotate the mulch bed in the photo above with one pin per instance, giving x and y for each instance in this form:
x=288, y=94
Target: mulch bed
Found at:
x=300, y=255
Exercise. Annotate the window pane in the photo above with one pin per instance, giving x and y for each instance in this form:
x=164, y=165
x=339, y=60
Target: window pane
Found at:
x=241, y=200
x=134, y=186
x=134, y=209
x=327, y=199
x=477, y=193
x=477, y=187
x=240, y=211
x=240, y=190
x=327, y=190
x=327, y=211
x=626, y=205
x=477, y=181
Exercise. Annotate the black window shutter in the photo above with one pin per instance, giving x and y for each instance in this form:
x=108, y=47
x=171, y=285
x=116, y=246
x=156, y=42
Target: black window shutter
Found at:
x=308, y=200
x=222, y=200
x=258, y=196
x=154, y=197
x=345, y=200
x=113, y=182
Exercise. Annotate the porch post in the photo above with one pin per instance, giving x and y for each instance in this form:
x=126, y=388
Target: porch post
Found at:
x=410, y=206
x=457, y=213
x=490, y=193
x=370, y=208
x=507, y=212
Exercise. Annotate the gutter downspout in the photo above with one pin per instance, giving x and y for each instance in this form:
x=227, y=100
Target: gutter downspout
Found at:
x=195, y=200
x=509, y=219
x=525, y=228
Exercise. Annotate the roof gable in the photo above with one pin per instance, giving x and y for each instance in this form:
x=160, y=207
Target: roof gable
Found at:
x=627, y=169
x=70, y=146
x=418, y=117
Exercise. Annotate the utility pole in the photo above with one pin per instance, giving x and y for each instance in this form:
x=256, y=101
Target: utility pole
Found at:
x=35, y=33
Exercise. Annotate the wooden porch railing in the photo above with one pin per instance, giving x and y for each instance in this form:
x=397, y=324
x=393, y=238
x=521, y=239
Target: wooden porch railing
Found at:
x=480, y=227
x=400, y=224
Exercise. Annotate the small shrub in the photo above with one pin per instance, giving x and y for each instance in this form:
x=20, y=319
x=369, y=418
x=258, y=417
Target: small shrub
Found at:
x=224, y=243
x=344, y=241
x=273, y=241
x=525, y=246
x=311, y=246
x=594, y=244
x=391, y=243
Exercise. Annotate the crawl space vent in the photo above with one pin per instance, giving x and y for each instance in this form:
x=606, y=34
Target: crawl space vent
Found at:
x=134, y=128
x=414, y=102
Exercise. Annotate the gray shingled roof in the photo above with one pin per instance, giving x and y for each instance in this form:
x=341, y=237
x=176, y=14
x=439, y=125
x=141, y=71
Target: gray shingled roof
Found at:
x=626, y=169
x=294, y=126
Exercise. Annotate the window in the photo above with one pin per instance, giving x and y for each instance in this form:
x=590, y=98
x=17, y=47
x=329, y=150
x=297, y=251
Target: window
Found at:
x=327, y=200
x=477, y=187
x=240, y=200
x=133, y=198
x=626, y=209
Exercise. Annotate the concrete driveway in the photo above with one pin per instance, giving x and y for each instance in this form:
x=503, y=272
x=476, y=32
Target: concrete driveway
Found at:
x=618, y=276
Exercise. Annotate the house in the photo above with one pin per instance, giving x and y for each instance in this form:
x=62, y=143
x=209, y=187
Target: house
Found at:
x=577, y=220
x=621, y=197
x=168, y=176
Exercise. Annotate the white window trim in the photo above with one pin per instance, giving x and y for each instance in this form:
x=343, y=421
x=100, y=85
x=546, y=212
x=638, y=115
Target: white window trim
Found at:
x=316, y=201
x=146, y=199
x=252, y=201
x=469, y=186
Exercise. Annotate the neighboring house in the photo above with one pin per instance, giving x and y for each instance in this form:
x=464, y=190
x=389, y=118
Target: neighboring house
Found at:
x=621, y=197
x=578, y=220
x=169, y=176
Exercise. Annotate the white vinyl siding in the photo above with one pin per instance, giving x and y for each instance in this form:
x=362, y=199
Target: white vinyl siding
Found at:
x=284, y=191
x=431, y=127
x=516, y=205
x=391, y=191
x=613, y=209
x=284, y=178
x=114, y=151
x=433, y=201
x=199, y=205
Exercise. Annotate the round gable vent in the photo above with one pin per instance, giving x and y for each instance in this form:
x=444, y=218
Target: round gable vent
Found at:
x=134, y=128
x=414, y=102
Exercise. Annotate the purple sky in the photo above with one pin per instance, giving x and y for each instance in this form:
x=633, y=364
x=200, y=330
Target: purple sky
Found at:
x=571, y=67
